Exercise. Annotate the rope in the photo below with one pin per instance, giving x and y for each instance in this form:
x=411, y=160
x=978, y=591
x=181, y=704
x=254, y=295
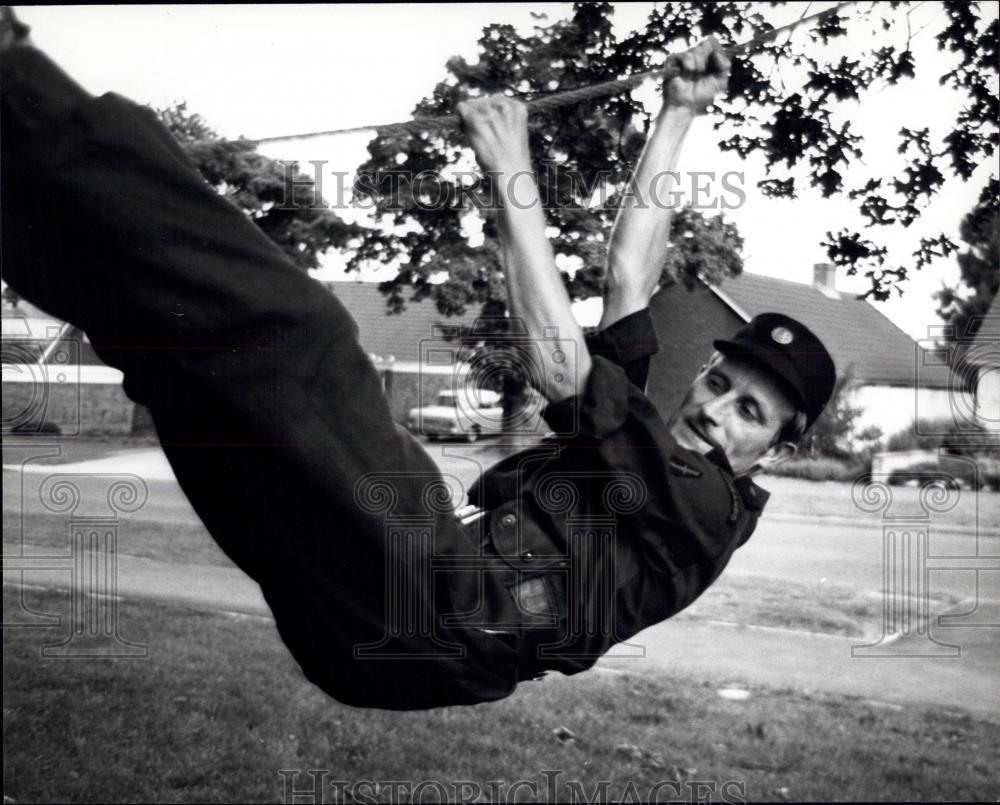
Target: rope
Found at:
x=556, y=100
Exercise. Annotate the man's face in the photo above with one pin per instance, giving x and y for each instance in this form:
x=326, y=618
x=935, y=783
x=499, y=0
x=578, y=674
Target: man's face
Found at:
x=736, y=406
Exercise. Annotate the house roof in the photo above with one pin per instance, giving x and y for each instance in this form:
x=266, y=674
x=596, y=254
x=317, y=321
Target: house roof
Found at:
x=385, y=333
x=856, y=333
x=859, y=337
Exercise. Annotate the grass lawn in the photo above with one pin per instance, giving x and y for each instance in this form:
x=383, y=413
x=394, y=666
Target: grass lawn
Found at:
x=755, y=600
x=188, y=543
x=814, y=499
x=220, y=707
x=830, y=609
x=744, y=600
x=85, y=448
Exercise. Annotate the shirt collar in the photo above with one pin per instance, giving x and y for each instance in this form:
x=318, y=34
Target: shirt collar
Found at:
x=718, y=457
x=753, y=496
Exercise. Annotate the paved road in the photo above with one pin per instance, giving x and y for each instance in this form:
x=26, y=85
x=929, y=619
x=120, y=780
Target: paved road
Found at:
x=748, y=656
x=810, y=553
x=745, y=657
x=852, y=556
x=848, y=555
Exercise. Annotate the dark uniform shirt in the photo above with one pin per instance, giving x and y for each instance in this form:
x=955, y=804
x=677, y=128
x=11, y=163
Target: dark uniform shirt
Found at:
x=610, y=525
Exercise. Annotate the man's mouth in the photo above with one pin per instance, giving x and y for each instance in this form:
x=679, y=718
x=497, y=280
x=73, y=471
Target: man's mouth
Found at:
x=707, y=440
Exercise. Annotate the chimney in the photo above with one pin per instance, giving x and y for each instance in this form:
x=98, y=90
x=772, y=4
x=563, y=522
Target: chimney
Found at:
x=825, y=276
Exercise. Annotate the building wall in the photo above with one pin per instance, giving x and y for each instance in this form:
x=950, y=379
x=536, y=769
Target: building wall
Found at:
x=988, y=398
x=884, y=464
x=91, y=400
x=894, y=409
x=686, y=323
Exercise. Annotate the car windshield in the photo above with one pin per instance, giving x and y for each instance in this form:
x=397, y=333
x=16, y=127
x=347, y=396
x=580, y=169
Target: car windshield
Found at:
x=447, y=399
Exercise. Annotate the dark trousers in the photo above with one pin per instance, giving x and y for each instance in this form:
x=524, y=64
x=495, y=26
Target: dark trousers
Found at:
x=269, y=411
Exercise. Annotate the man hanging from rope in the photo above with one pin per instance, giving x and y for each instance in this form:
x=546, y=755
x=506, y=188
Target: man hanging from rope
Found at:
x=275, y=422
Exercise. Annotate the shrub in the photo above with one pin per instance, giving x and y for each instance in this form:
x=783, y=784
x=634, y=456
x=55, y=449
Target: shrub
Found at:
x=819, y=469
x=833, y=434
x=989, y=472
x=924, y=434
x=37, y=428
x=930, y=434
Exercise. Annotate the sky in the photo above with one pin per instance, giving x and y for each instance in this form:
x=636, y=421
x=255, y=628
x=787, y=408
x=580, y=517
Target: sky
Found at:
x=262, y=71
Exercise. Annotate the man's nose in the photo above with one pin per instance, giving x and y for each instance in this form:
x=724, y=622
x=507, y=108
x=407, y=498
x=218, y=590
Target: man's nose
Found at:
x=713, y=411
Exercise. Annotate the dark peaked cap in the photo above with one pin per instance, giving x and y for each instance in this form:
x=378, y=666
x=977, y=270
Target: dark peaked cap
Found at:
x=792, y=354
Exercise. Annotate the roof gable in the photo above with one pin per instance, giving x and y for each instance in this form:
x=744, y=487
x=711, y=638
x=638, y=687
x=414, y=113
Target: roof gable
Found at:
x=859, y=337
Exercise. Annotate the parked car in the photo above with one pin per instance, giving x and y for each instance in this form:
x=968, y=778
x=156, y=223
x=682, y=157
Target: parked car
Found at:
x=459, y=415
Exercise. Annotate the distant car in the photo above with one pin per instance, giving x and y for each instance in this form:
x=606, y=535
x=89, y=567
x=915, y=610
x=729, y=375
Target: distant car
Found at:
x=459, y=415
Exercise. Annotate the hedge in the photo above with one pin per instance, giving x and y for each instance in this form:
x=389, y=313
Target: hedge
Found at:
x=819, y=469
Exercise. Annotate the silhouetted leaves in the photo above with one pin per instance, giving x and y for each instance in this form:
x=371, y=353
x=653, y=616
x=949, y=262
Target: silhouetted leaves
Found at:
x=964, y=306
x=785, y=103
x=292, y=214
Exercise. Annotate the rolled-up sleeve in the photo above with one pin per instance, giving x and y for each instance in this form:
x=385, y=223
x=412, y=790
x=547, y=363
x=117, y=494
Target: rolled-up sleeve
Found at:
x=621, y=355
x=630, y=342
x=596, y=412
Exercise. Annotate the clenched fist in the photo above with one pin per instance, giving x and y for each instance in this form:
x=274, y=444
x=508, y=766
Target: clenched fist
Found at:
x=704, y=74
x=497, y=128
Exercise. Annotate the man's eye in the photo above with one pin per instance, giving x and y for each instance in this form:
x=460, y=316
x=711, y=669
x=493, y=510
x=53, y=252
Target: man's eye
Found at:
x=750, y=412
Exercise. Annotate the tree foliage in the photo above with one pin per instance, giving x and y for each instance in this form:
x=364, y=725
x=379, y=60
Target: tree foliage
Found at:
x=835, y=434
x=964, y=306
x=786, y=103
x=582, y=157
x=291, y=213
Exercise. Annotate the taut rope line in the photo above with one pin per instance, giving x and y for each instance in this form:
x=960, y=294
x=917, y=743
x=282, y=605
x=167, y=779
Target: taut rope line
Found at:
x=546, y=103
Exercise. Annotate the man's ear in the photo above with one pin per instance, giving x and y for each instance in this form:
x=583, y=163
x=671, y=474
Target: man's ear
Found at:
x=774, y=455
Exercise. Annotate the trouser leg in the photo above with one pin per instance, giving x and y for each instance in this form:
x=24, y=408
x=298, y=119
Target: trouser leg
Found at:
x=107, y=226
x=268, y=409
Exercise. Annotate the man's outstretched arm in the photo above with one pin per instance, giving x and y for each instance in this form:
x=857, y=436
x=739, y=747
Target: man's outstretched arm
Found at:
x=641, y=234
x=498, y=132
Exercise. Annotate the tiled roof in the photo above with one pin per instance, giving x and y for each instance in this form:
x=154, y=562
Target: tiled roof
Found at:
x=384, y=333
x=855, y=332
x=857, y=335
